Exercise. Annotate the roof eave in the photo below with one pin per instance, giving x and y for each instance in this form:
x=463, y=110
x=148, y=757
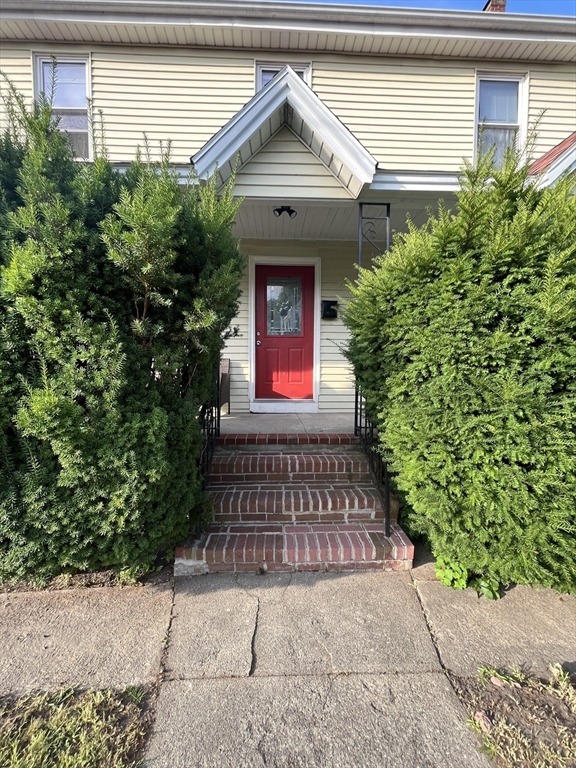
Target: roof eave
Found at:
x=283, y=14
x=563, y=164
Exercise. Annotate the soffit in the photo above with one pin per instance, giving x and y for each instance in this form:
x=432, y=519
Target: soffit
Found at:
x=295, y=27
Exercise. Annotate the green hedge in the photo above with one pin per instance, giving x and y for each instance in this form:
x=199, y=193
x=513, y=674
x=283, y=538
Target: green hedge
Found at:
x=115, y=295
x=464, y=341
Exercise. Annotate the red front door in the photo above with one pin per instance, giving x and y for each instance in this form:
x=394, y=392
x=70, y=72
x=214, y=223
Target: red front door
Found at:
x=284, y=332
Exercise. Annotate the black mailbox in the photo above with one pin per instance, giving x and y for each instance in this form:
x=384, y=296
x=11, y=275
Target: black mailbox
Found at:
x=329, y=309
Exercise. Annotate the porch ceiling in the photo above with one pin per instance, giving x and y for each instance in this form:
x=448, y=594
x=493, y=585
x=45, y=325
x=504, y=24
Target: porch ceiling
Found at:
x=326, y=220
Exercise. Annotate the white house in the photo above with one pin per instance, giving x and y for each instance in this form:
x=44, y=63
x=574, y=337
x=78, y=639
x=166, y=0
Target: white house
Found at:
x=341, y=120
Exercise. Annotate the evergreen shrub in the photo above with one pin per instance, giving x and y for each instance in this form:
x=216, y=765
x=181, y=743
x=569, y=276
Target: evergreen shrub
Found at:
x=463, y=339
x=116, y=291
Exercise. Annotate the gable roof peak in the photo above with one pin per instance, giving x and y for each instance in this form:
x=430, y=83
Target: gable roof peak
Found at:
x=287, y=100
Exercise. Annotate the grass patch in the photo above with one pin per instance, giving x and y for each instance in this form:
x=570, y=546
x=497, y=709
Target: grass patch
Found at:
x=524, y=722
x=73, y=729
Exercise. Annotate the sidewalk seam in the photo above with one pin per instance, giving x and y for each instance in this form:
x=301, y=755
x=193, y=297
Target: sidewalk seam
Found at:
x=162, y=676
x=289, y=675
x=428, y=625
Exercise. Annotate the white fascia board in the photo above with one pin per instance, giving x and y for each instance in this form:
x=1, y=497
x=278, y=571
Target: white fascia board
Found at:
x=226, y=143
x=323, y=122
x=388, y=181
x=563, y=164
x=286, y=87
x=401, y=31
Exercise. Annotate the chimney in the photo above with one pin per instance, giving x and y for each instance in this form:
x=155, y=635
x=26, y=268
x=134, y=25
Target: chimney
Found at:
x=495, y=6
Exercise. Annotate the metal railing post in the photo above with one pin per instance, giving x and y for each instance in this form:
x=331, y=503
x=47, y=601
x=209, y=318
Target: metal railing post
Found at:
x=366, y=430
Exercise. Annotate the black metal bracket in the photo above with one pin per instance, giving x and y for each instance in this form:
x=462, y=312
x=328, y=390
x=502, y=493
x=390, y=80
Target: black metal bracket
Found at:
x=373, y=217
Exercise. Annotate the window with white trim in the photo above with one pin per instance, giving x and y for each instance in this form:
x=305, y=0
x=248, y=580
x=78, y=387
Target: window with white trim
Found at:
x=64, y=82
x=267, y=72
x=499, y=114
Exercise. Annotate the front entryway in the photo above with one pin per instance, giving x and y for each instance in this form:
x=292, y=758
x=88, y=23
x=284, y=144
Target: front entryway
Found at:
x=284, y=335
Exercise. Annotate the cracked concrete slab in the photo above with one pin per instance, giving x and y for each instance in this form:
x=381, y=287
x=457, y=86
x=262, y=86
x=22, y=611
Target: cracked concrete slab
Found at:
x=381, y=721
x=307, y=623
x=325, y=623
x=212, y=628
x=82, y=637
x=529, y=628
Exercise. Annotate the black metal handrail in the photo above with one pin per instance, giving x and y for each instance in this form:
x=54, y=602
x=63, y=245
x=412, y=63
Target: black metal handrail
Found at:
x=366, y=430
x=209, y=422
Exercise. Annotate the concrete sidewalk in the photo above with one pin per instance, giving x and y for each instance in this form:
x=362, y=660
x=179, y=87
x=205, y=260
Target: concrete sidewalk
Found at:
x=284, y=670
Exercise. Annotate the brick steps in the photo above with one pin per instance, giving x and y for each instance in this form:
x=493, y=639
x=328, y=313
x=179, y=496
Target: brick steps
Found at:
x=314, y=547
x=291, y=503
x=283, y=466
x=294, y=503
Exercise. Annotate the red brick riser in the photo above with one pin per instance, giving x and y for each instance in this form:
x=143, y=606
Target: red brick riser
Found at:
x=297, y=503
x=313, y=547
x=293, y=467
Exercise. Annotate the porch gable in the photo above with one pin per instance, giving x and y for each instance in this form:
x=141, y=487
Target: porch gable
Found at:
x=288, y=102
x=286, y=168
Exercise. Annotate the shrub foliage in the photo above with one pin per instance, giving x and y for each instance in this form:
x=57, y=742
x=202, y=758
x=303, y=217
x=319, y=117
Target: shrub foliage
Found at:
x=115, y=295
x=464, y=341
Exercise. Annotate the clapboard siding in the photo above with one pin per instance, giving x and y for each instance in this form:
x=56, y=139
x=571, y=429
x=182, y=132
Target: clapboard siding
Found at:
x=336, y=385
x=552, y=90
x=15, y=64
x=184, y=96
x=237, y=351
x=411, y=114
x=336, y=380
x=285, y=167
x=408, y=115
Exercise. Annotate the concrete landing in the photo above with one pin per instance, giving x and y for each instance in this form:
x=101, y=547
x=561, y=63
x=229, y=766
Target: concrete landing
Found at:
x=289, y=423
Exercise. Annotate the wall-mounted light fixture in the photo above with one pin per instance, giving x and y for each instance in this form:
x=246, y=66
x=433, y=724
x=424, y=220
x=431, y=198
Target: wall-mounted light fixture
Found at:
x=285, y=209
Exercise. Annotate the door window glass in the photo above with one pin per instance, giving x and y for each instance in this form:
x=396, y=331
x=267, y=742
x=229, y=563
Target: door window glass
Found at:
x=284, y=306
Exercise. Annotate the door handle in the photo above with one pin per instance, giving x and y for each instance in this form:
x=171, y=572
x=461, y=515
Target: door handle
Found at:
x=258, y=343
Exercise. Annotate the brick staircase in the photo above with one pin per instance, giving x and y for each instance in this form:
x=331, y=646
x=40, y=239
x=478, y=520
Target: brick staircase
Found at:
x=288, y=502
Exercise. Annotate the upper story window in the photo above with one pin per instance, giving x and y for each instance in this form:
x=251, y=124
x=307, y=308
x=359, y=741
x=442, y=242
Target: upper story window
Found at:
x=266, y=72
x=499, y=116
x=64, y=82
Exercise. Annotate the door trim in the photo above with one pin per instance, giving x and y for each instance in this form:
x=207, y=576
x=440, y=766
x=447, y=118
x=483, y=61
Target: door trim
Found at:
x=283, y=406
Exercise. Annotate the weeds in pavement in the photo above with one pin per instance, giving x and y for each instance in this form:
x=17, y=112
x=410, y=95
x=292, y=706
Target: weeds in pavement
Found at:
x=524, y=722
x=70, y=729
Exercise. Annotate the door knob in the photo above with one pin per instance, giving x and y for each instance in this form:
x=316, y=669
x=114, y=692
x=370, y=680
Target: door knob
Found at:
x=258, y=343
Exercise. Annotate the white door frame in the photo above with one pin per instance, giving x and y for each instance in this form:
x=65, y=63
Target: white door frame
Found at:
x=283, y=406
